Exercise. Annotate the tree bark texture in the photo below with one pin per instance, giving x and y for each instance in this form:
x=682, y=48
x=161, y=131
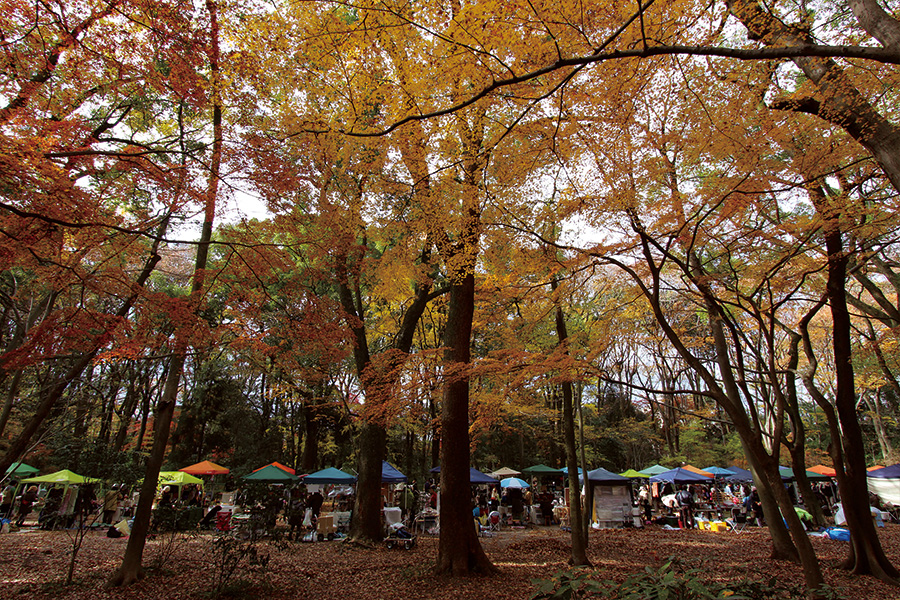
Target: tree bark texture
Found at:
x=459, y=551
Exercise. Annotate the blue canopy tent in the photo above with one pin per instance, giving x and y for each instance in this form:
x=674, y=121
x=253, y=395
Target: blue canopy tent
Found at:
x=680, y=476
x=476, y=477
x=329, y=475
x=741, y=474
x=605, y=477
x=611, y=507
x=389, y=474
x=719, y=472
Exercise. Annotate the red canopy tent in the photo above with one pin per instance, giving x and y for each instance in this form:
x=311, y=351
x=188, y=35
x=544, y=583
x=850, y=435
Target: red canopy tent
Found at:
x=277, y=464
x=822, y=470
x=205, y=468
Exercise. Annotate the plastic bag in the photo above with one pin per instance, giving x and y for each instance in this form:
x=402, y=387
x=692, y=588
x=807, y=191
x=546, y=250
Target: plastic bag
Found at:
x=838, y=533
x=307, y=518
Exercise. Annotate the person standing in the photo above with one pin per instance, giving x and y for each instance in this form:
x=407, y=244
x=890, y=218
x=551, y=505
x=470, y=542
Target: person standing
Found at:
x=296, y=509
x=25, y=503
x=6, y=500
x=645, y=504
x=685, y=507
x=110, y=504
x=315, y=502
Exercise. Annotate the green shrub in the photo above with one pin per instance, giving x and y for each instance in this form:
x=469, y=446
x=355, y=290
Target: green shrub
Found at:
x=673, y=580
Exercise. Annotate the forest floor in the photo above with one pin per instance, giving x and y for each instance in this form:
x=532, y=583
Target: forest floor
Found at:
x=33, y=565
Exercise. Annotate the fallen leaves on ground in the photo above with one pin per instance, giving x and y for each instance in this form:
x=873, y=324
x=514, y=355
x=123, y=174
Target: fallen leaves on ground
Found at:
x=33, y=565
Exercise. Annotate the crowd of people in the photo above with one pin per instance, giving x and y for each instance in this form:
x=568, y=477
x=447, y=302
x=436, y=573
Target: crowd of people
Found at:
x=59, y=506
x=683, y=501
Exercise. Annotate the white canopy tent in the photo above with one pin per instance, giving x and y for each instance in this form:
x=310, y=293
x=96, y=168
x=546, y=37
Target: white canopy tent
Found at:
x=885, y=483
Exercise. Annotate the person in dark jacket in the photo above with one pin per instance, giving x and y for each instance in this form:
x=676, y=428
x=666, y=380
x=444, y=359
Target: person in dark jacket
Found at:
x=25, y=503
x=685, y=507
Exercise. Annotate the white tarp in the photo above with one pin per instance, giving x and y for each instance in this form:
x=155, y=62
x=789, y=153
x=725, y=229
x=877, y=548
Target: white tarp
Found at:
x=888, y=490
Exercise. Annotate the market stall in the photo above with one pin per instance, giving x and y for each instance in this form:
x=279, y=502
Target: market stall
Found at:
x=611, y=499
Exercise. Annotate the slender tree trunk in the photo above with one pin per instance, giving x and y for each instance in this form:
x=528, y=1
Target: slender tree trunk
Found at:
x=578, y=531
x=131, y=570
x=866, y=553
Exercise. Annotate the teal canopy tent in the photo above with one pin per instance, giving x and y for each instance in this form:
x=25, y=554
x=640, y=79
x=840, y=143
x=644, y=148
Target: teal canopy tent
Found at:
x=329, y=475
x=271, y=474
x=21, y=470
x=654, y=470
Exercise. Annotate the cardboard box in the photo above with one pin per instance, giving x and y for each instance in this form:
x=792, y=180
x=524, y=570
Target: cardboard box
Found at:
x=326, y=524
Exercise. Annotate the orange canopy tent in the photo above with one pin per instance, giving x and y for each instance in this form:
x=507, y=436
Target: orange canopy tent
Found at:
x=277, y=464
x=205, y=468
x=822, y=470
x=693, y=469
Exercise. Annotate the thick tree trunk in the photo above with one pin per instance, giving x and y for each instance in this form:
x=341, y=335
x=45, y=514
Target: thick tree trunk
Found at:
x=459, y=551
x=366, y=524
x=309, y=458
x=782, y=546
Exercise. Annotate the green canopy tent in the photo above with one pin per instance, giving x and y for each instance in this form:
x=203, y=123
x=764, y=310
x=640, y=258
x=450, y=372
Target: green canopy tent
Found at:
x=542, y=470
x=177, y=478
x=64, y=477
x=21, y=470
x=654, y=470
x=270, y=474
x=537, y=472
x=787, y=473
x=632, y=474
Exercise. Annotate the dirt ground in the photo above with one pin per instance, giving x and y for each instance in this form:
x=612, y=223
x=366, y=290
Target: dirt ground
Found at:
x=33, y=565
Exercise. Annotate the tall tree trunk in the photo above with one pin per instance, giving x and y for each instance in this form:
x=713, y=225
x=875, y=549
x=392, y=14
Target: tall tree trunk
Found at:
x=130, y=569
x=309, y=459
x=577, y=517
x=459, y=551
x=866, y=553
